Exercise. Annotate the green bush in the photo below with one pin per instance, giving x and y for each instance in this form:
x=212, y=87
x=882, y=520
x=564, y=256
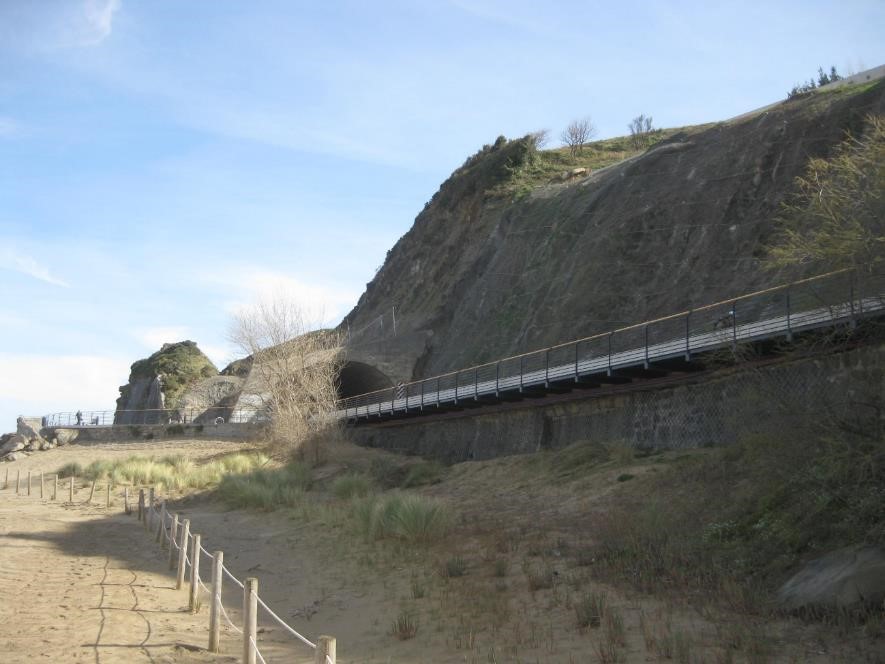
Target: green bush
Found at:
x=266, y=489
x=412, y=518
x=73, y=469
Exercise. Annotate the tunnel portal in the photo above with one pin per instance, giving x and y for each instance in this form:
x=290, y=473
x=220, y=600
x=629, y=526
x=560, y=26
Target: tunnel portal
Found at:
x=358, y=378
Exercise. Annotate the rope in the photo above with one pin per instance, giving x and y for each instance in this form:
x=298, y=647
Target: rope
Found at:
x=232, y=577
x=282, y=624
x=227, y=617
x=329, y=660
x=257, y=651
x=206, y=553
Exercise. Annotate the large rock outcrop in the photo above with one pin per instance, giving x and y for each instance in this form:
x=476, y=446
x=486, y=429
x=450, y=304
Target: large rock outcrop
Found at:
x=157, y=383
x=494, y=266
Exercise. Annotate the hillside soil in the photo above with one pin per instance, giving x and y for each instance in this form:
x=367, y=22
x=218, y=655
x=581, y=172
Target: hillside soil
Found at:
x=91, y=582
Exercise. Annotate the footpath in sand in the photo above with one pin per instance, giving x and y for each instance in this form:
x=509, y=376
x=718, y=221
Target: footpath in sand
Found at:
x=83, y=583
x=71, y=593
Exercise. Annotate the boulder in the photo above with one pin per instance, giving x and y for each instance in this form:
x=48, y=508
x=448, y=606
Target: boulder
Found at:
x=34, y=444
x=848, y=578
x=15, y=456
x=14, y=443
x=25, y=429
x=65, y=436
x=47, y=445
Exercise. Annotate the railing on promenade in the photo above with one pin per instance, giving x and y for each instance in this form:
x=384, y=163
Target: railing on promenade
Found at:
x=182, y=416
x=843, y=296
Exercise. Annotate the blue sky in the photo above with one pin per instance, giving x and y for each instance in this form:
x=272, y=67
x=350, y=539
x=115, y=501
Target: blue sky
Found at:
x=164, y=162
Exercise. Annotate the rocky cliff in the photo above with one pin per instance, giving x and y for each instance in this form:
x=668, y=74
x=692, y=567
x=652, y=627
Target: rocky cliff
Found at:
x=161, y=381
x=505, y=259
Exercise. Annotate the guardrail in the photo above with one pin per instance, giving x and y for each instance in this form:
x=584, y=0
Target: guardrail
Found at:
x=107, y=418
x=186, y=550
x=843, y=296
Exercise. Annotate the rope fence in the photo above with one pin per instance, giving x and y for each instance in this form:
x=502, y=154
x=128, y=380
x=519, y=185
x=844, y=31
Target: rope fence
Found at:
x=185, y=554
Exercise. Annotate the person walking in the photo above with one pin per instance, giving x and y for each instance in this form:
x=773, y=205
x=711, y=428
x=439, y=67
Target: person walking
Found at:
x=79, y=418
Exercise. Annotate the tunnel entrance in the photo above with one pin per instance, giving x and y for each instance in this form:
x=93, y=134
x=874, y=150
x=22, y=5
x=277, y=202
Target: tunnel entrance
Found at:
x=358, y=378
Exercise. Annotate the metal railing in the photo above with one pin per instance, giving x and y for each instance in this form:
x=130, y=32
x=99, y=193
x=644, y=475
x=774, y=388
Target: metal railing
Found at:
x=838, y=297
x=182, y=416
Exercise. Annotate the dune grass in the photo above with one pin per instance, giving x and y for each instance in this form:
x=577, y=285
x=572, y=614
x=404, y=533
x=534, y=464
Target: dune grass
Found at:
x=266, y=489
x=409, y=517
x=169, y=472
x=352, y=485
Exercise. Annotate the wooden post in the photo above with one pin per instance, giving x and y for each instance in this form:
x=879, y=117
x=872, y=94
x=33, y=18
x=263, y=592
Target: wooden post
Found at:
x=182, y=553
x=29, y=482
x=173, y=536
x=325, y=647
x=150, y=510
x=6, y=481
x=161, y=531
x=126, y=500
x=141, y=504
x=18, y=481
x=195, y=576
x=91, y=493
x=42, y=485
x=214, y=617
x=71, y=491
x=107, y=498
x=250, y=619
x=55, y=488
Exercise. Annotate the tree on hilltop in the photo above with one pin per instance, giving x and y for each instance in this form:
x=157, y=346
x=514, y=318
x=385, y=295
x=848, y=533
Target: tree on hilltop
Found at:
x=577, y=134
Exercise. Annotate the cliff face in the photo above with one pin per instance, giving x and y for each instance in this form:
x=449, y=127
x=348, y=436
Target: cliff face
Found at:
x=490, y=269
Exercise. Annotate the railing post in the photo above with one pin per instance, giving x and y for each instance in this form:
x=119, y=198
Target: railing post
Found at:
x=326, y=647
x=173, y=538
x=29, y=482
x=214, y=622
x=182, y=553
x=18, y=481
x=577, y=375
x=497, y=378
x=645, y=328
x=422, y=394
x=141, y=504
x=126, y=500
x=475, y=384
x=521, y=365
x=150, y=510
x=734, y=326
x=852, y=320
x=688, y=336
x=55, y=489
x=42, y=484
x=250, y=620
x=437, y=391
x=457, y=376
x=71, y=490
x=546, y=367
x=789, y=324
x=161, y=531
x=610, y=353
x=392, y=398
x=194, y=603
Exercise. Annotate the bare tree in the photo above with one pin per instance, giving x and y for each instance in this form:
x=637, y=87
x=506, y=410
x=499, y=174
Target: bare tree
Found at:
x=577, y=134
x=540, y=138
x=294, y=371
x=640, y=128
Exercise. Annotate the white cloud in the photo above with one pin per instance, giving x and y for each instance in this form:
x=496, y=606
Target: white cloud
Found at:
x=99, y=15
x=322, y=305
x=155, y=337
x=18, y=262
x=40, y=384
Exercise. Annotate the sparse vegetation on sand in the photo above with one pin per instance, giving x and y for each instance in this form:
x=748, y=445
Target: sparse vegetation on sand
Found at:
x=266, y=489
x=174, y=472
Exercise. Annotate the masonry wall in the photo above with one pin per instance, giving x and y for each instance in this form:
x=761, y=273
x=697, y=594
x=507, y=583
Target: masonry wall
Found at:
x=234, y=431
x=795, y=397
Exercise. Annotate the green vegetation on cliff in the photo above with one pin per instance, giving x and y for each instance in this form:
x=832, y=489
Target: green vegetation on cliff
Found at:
x=181, y=364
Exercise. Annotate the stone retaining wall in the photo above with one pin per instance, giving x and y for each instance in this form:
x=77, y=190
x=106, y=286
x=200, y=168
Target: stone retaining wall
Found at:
x=791, y=396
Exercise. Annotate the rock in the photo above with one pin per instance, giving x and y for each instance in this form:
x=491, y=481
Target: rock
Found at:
x=46, y=445
x=15, y=456
x=65, y=436
x=34, y=444
x=847, y=578
x=14, y=443
x=25, y=429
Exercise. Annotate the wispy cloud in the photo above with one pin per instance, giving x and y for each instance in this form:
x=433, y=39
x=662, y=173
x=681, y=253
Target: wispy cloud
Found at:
x=24, y=264
x=322, y=305
x=99, y=16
